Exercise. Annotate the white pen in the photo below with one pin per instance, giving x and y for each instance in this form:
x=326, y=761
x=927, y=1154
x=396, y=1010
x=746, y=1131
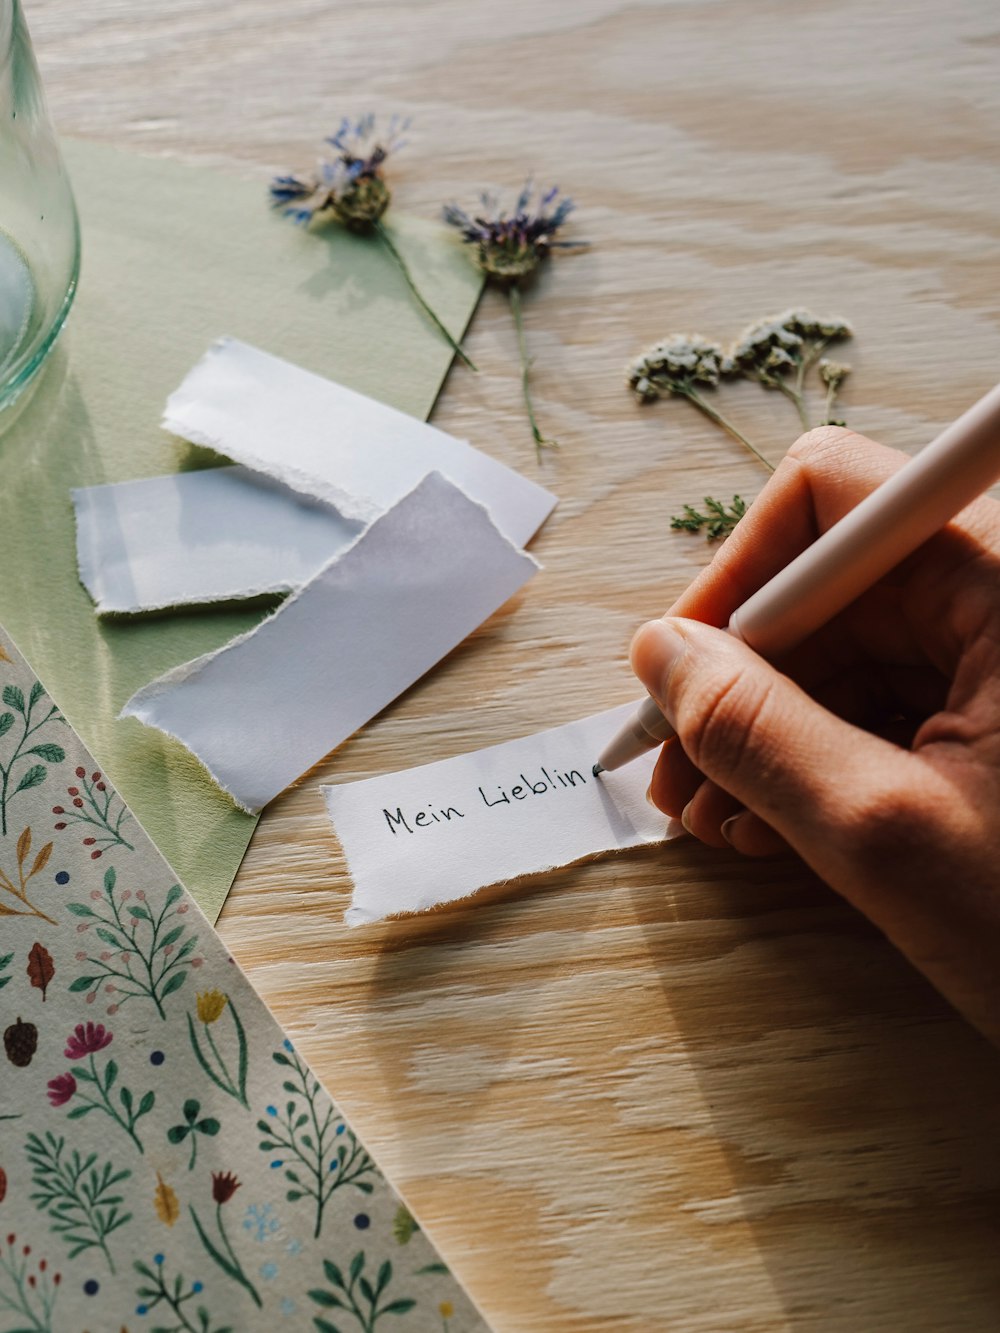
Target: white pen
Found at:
x=890, y=523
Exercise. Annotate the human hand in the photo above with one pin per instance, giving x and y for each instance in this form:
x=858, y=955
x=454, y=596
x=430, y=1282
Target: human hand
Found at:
x=873, y=748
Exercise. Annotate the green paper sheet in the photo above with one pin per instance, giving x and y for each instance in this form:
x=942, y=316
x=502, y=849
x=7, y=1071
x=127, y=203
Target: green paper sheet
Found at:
x=173, y=258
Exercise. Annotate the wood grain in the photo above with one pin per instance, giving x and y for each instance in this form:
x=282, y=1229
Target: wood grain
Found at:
x=670, y=1090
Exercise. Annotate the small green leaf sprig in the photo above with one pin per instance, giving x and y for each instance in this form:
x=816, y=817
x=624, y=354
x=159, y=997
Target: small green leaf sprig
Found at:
x=358, y=1296
x=508, y=248
x=32, y=719
x=81, y=1197
x=348, y=187
x=28, y=1286
x=175, y=1293
x=326, y=1150
x=92, y=803
x=151, y=956
x=777, y=352
x=716, y=523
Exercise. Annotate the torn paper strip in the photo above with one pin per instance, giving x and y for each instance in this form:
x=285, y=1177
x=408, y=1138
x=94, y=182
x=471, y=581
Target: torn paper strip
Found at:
x=334, y=444
x=262, y=710
x=432, y=834
x=198, y=537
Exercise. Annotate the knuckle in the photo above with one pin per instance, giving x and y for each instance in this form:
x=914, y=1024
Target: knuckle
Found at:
x=890, y=826
x=719, y=726
x=817, y=447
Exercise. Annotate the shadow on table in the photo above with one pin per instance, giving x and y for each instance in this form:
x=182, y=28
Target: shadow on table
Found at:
x=417, y=978
x=856, y=1114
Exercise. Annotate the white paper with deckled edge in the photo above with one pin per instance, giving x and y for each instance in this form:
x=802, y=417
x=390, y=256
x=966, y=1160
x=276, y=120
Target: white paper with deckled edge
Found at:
x=433, y=834
x=336, y=445
x=263, y=709
x=200, y=537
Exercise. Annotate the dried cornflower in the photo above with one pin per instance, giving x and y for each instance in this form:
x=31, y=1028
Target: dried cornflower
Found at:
x=779, y=350
x=348, y=187
x=677, y=366
x=508, y=248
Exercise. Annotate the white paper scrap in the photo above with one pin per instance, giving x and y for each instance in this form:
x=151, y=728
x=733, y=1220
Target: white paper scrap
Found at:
x=439, y=832
x=197, y=537
x=334, y=444
x=262, y=710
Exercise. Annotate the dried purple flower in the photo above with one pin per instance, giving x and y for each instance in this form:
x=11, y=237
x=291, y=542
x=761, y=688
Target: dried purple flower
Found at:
x=348, y=187
x=347, y=184
x=508, y=248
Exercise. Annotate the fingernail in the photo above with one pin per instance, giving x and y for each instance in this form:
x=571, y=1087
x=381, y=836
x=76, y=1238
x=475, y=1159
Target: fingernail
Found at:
x=729, y=824
x=686, y=817
x=655, y=648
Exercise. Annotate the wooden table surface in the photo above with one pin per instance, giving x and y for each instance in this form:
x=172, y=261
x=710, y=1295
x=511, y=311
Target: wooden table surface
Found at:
x=670, y=1090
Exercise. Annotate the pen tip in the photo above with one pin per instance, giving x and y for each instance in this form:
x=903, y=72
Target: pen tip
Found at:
x=597, y=770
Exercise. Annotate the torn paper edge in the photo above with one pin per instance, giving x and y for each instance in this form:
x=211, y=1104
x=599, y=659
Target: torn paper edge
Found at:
x=90, y=562
x=352, y=505
x=187, y=670
x=359, y=916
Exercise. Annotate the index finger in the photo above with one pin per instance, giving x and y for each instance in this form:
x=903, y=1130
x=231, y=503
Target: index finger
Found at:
x=822, y=477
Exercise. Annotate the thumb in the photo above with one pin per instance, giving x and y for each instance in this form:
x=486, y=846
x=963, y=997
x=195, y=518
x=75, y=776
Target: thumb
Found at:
x=819, y=782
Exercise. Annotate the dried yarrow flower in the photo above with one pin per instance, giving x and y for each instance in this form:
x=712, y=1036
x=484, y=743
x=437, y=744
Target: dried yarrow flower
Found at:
x=779, y=350
x=832, y=374
x=348, y=187
x=679, y=366
x=508, y=247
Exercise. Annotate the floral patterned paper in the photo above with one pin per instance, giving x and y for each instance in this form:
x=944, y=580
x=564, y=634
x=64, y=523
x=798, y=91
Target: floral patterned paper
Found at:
x=168, y=1161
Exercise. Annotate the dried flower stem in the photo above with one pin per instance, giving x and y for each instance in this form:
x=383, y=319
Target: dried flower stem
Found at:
x=693, y=396
x=541, y=442
x=390, y=245
x=796, y=394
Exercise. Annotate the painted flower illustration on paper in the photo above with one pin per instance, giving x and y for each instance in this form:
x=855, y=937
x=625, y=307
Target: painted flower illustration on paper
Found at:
x=149, y=950
x=194, y=1124
x=94, y=1195
x=23, y=719
x=61, y=1089
x=80, y=1194
x=261, y=1221
x=28, y=1286
x=358, y=1296
x=19, y=890
x=83, y=1043
x=311, y=1143
x=210, y=1004
x=94, y=804
x=175, y=1294
x=224, y=1186
x=230, y=1077
x=86, y=1039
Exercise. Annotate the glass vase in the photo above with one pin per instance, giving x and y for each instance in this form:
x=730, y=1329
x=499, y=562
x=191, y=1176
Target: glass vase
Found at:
x=39, y=231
